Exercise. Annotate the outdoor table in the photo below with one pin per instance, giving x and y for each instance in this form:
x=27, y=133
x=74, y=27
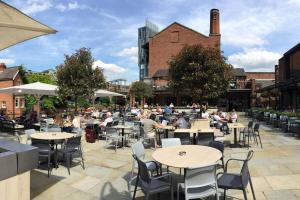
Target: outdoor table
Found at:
x=187, y=156
x=166, y=129
x=123, y=127
x=194, y=131
x=235, y=126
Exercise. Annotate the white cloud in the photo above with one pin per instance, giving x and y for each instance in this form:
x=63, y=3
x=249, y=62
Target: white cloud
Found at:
x=131, y=53
x=255, y=59
x=36, y=6
x=111, y=71
x=70, y=6
x=7, y=61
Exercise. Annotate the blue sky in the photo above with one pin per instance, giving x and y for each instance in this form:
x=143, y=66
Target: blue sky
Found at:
x=255, y=33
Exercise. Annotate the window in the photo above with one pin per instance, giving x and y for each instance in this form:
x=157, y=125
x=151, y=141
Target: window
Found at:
x=3, y=104
x=174, y=36
x=19, y=102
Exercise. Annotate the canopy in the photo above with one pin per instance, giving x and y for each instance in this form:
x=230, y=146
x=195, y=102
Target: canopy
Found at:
x=106, y=93
x=37, y=89
x=16, y=27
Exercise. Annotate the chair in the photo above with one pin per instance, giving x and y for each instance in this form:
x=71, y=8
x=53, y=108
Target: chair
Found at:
x=151, y=185
x=29, y=132
x=139, y=150
x=199, y=183
x=256, y=134
x=115, y=123
x=205, y=138
x=184, y=137
x=236, y=181
x=220, y=146
x=248, y=129
x=170, y=142
x=54, y=129
x=70, y=147
x=113, y=135
x=45, y=151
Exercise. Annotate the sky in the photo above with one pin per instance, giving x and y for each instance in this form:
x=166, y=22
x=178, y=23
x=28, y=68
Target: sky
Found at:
x=254, y=33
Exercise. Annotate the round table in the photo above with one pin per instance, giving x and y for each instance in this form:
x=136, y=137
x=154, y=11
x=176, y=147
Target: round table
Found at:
x=122, y=127
x=187, y=156
x=52, y=135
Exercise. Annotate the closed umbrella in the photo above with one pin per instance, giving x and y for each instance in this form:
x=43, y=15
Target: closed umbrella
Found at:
x=16, y=27
x=106, y=93
x=37, y=89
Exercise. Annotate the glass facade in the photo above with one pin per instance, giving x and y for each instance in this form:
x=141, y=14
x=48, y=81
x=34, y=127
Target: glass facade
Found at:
x=144, y=35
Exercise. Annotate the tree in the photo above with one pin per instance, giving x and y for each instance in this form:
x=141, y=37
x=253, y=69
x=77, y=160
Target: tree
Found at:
x=141, y=90
x=200, y=72
x=77, y=78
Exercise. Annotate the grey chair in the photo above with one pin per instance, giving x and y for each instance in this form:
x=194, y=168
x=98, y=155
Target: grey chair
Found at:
x=256, y=134
x=151, y=185
x=246, y=130
x=29, y=132
x=170, y=142
x=45, y=151
x=184, y=137
x=220, y=146
x=205, y=138
x=236, y=181
x=199, y=183
x=71, y=147
x=112, y=135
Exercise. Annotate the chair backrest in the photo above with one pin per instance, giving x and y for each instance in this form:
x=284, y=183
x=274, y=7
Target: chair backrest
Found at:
x=73, y=142
x=250, y=124
x=256, y=127
x=200, y=177
x=183, y=136
x=217, y=145
x=109, y=124
x=29, y=132
x=111, y=131
x=205, y=138
x=138, y=149
x=143, y=171
x=170, y=142
x=54, y=130
x=40, y=143
x=245, y=175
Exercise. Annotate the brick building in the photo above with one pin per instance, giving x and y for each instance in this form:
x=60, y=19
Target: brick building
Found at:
x=10, y=103
x=288, y=78
x=167, y=43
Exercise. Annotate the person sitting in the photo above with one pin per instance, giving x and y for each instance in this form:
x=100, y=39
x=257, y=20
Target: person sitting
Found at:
x=95, y=114
x=168, y=110
x=205, y=115
x=67, y=124
x=142, y=115
x=107, y=119
x=233, y=116
x=149, y=126
x=58, y=121
x=181, y=122
x=158, y=109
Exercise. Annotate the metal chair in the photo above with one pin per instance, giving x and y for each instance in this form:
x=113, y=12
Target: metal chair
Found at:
x=199, y=183
x=152, y=185
x=72, y=146
x=170, y=142
x=248, y=129
x=29, y=132
x=113, y=135
x=184, y=137
x=220, y=146
x=205, y=138
x=236, y=181
x=45, y=151
x=256, y=134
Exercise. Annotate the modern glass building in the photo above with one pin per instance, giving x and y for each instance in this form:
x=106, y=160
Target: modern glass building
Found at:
x=145, y=33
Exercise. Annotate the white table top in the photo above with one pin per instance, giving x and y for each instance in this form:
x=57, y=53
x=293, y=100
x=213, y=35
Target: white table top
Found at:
x=52, y=135
x=120, y=126
x=195, y=156
x=194, y=130
x=235, y=125
x=168, y=127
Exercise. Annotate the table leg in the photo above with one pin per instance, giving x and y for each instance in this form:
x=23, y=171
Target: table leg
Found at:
x=194, y=138
x=235, y=144
x=123, y=137
x=167, y=133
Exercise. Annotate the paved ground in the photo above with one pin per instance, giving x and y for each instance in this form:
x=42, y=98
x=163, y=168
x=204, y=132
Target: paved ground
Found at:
x=275, y=171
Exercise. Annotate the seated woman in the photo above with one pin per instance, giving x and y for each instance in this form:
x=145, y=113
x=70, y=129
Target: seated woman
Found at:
x=67, y=125
x=233, y=116
x=149, y=128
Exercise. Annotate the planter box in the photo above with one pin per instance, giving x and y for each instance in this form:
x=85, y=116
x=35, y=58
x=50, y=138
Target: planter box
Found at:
x=8, y=164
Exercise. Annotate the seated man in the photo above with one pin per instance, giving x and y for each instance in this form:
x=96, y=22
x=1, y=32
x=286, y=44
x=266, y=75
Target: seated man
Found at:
x=181, y=122
x=168, y=110
x=107, y=119
x=149, y=127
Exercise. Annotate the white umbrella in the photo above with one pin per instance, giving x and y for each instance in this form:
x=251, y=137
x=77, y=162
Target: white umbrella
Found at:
x=16, y=27
x=106, y=93
x=37, y=89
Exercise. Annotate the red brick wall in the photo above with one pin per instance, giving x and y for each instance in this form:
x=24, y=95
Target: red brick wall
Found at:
x=166, y=44
x=260, y=75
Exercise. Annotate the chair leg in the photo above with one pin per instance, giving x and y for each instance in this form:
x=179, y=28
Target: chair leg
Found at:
x=177, y=191
x=224, y=195
x=49, y=162
x=260, y=141
x=245, y=194
x=68, y=162
x=82, y=159
x=172, y=192
x=135, y=187
x=147, y=196
x=252, y=189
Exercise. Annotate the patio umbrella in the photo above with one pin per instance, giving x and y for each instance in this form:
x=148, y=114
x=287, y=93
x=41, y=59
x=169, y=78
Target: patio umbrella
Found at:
x=37, y=89
x=106, y=93
x=16, y=27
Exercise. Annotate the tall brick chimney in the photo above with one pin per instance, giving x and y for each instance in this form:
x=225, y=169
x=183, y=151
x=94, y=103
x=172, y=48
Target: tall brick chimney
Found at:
x=2, y=67
x=214, y=22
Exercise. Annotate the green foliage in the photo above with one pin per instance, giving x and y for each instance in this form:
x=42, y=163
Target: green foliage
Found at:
x=140, y=89
x=22, y=73
x=76, y=76
x=104, y=100
x=41, y=77
x=83, y=102
x=199, y=72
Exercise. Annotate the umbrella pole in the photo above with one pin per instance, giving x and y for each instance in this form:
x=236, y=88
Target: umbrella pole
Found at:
x=38, y=106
